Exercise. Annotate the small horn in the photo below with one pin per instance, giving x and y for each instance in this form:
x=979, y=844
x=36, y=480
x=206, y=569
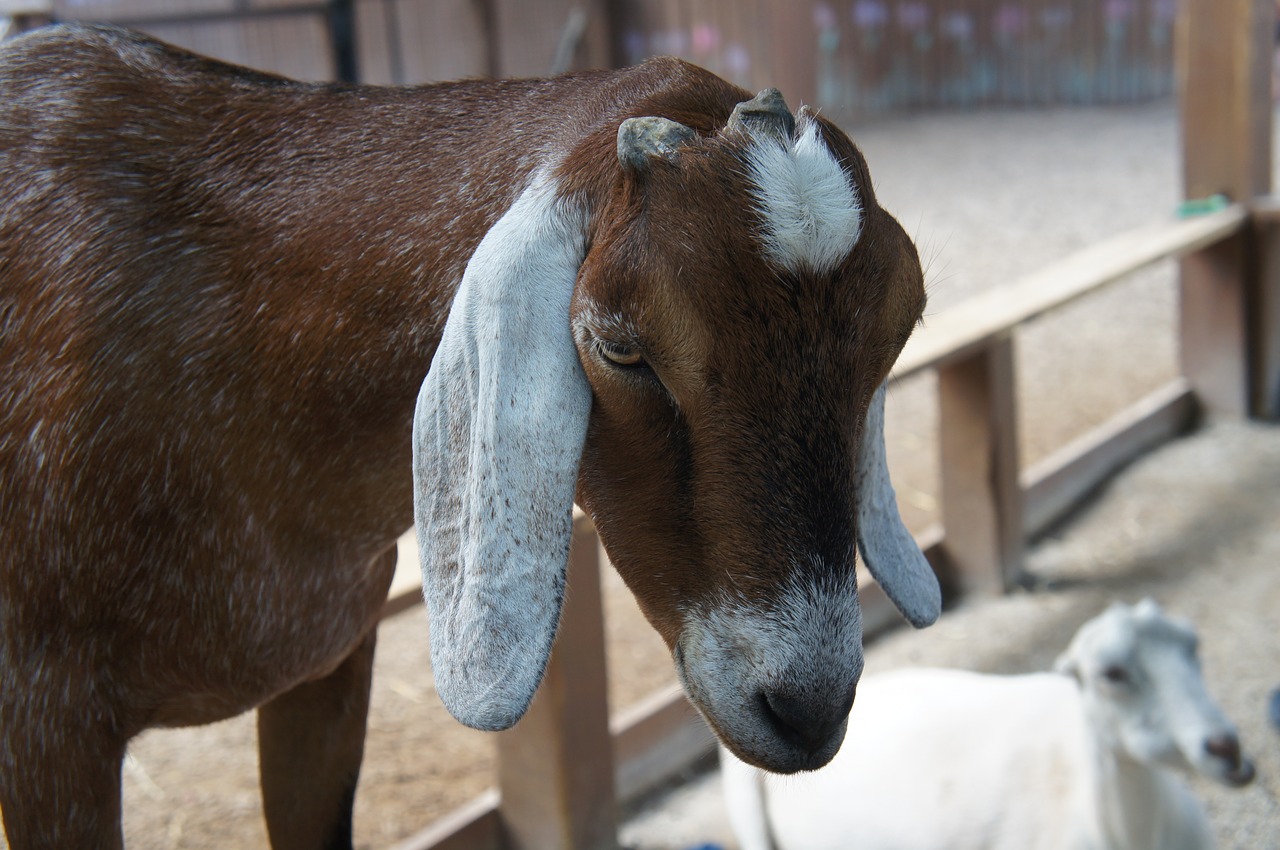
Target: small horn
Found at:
x=640, y=139
x=765, y=112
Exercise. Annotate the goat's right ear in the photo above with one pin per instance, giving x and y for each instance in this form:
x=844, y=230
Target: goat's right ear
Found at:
x=1066, y=665
x=497, y=438
x=887, y=547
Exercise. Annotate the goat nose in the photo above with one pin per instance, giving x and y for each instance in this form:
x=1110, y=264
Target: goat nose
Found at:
x=808, y=721
x=1225, y=747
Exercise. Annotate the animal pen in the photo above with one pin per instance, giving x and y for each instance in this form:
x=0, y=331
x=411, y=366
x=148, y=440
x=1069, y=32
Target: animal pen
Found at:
x=564, y=767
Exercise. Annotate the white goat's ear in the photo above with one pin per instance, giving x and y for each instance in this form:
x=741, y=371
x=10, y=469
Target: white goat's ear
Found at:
x=497, y=437
x=1067, y=666
x=1147, y=607
x=888, y=549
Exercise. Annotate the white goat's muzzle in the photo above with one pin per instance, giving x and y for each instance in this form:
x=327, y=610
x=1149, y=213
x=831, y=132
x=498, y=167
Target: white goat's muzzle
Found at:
x=777, y=684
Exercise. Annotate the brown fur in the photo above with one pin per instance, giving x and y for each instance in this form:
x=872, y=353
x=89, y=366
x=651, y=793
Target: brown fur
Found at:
x=219, y=294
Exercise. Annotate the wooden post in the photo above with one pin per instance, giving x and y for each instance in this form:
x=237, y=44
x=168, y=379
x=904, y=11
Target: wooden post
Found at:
x=1224, y=69
x=555, y=767
x=794, y=52
x=981, y=498
x=1265, y=324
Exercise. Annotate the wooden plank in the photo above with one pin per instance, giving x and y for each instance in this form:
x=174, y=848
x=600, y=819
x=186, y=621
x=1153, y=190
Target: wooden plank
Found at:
x=967, y=327
x=1264, y=328
x=555, y=767
x=794, y=55
x=656, y=739
x=1213, y=324
x=1059, y=482
x=1224, y=55
x=980, y=498
x=471, y=826
x=1224, y=60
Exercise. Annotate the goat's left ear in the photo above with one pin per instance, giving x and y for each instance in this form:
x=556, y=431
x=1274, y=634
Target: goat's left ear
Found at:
x=888, y=549
x=497, y=438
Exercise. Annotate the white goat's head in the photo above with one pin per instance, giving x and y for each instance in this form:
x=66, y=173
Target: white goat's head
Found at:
x=1141, y=683
x=700, y=357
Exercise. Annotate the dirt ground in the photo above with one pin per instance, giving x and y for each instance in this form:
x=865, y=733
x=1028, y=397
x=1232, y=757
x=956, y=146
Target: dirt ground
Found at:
x=988, y=197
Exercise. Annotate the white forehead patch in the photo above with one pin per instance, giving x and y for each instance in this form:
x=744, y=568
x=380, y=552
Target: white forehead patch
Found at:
x=812, y=215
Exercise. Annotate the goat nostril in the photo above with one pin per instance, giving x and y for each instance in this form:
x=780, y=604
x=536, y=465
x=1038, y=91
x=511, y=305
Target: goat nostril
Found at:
x=1225, y=747
x=807, y=722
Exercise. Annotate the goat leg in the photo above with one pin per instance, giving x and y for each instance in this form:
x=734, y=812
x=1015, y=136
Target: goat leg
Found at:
x=310, y=745
x=59, y=774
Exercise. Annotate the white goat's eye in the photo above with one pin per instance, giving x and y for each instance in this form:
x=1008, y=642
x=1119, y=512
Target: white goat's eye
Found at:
x=621, y=354
x=1115, y=674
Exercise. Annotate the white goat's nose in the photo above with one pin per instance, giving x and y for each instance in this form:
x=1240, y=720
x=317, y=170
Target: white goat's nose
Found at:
x=1227, y=748
x=808, y=721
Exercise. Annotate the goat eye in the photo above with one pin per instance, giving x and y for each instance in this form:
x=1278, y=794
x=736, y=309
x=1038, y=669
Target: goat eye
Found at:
x=620, y=354
x=1115, y=674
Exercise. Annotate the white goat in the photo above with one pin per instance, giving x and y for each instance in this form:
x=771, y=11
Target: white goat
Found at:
x=1072, y=760
x=252, y=329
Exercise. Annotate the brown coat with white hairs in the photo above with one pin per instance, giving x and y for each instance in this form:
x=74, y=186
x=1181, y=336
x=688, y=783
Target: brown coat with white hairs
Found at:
x=220, y=293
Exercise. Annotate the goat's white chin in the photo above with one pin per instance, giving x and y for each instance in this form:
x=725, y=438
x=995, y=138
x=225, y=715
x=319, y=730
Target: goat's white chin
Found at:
x=743, y=721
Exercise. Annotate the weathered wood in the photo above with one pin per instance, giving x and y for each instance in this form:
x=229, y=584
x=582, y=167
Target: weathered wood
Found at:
x=981, y=501
x=1224, y=62
x=1213, y=326
x=555, y=767
x=960, y=331
x=472, y=826
x=656, y=739
x=1264, y=326
x=1059, y=482
x=793, y=56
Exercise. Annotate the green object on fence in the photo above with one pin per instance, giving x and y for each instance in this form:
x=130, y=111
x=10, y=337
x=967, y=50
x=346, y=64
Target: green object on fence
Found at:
x=1202, y=206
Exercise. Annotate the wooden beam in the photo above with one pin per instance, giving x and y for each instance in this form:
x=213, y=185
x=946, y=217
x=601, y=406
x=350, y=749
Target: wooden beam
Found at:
x=1224, y=60
x=472, y=826
x=1264, y=327
x=960, y=331
x=1059, y=482
x=555, y=767
x=656, y=739
x=794, y=55
x=981, y=502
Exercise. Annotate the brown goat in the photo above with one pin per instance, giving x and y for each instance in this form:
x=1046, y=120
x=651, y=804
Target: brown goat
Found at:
x=220, y=292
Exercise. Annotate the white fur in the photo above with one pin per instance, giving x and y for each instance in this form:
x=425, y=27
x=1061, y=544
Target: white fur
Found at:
x=812, y=215
x=498, y=433
x=810, y=633
x=949, y=758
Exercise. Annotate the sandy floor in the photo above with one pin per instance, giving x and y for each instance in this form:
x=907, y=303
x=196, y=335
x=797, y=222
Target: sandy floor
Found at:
x=988, y=197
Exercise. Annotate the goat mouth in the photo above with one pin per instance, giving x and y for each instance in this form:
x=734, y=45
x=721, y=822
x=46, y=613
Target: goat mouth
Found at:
x=753, y=735
x=1239, y=775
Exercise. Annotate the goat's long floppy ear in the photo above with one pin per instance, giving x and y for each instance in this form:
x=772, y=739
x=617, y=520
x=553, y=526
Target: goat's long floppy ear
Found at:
x=497, y=437
x=888, y=549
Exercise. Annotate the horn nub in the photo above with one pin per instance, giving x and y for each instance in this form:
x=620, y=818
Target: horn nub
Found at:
x=640, y=139
x=766, y=112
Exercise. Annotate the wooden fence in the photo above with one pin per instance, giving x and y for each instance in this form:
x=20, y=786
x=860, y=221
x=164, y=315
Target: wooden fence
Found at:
x=852, y=56
x=562, y=769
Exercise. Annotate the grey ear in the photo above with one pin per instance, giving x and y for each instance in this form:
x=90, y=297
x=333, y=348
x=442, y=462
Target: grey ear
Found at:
x=497, y=436
x=887, y=548
x=642, y=139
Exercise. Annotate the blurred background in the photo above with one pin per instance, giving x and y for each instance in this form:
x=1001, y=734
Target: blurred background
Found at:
x=858, y=57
